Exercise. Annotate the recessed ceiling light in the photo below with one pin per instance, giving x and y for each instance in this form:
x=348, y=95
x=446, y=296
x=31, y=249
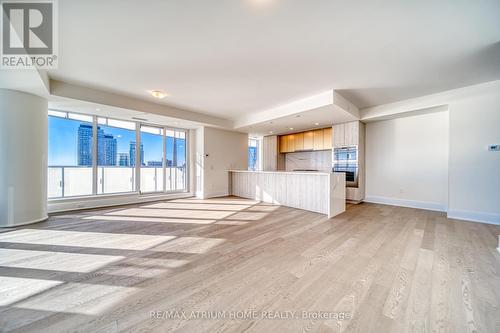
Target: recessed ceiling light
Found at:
x=271, y=132
x=97, y=109
x=158, y=94
x=291, y=128
x=316, y=124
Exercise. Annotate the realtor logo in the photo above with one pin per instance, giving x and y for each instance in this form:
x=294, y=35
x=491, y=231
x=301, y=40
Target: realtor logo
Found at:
x=29, y=34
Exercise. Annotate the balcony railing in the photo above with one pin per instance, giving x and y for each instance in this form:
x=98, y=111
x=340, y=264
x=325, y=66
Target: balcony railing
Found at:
x=71, y=181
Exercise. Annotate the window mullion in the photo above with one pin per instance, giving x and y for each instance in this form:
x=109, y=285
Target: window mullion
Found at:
x=94, y=156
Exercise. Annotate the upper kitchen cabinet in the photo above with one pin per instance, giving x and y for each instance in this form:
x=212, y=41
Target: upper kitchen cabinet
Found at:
x=346, y=134
x=299, y=141
x=290, y=143
x=327, y=138
x=283, y=143
x=352, y=133
x=309, y=140
x=318, y=139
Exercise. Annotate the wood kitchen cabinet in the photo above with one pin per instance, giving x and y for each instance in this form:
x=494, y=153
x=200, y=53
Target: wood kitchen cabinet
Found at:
x=309, y=140
x=283, y=144
x=346, y=134
x=299, y=141
x=339, y=135
x=290, y=143
x=352, y=133
x=327, y=138
x=320, y=139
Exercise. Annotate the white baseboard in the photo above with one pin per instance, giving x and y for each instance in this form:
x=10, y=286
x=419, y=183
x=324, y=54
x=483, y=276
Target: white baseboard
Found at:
x=474, y=216
x=406, y=203
x=217, y=195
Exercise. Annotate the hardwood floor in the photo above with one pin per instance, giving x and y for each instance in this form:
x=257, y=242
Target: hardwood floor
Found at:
x=374, y=268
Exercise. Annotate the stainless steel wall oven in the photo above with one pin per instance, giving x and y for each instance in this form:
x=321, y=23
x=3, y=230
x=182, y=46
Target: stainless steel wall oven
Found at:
x=345, y=159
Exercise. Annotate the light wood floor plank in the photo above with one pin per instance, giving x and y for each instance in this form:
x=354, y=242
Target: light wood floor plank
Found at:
x=389, y=269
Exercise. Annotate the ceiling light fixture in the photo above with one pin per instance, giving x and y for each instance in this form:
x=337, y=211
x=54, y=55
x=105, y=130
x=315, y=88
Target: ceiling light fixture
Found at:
x=317, y=124
x=97, y=109
x=158, y=94
x=291, y=128
x=271, y=132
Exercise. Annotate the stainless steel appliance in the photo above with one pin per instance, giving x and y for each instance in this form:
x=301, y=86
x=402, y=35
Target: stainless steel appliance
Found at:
x=345, y=159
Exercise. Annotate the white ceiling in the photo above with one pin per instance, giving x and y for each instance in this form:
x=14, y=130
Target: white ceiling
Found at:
x=228, y=58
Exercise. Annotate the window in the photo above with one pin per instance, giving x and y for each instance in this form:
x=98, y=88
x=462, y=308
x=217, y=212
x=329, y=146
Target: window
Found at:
x=176, y=172
x=116, y=140
x=91, y=155
x=70, y=155
x=253, y=154
x=152, y=167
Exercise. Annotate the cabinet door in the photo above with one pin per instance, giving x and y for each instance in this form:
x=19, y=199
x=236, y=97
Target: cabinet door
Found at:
x=339, y=135
x=327, y=138
x=308, y=140
x=299, y=141
x=290, y=143
x=318, y=139
x=352, y=133
x=283, y=144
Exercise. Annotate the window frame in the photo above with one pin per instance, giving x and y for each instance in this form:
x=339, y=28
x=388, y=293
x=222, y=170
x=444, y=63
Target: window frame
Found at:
x=137, y=168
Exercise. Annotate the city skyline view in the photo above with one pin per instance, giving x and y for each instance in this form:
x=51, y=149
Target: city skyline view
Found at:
x=113, y=144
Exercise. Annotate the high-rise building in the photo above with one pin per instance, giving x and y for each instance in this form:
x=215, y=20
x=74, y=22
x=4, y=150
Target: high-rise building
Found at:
x=123, y=160
x=106, y=147
x=85, y=145
x=109, y=150
x=132, y=153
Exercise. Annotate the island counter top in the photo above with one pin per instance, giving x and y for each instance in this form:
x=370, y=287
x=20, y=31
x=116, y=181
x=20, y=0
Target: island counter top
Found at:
x=321, y=192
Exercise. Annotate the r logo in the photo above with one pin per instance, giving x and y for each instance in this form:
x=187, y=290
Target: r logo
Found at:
x=27, y=28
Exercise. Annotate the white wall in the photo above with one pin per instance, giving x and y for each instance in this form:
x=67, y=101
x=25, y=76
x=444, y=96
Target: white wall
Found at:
x=407, y=161
x=217, y=152
x=473, y=171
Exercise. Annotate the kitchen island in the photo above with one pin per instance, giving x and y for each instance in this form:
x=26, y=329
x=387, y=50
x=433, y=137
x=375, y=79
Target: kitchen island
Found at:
x=321, y=192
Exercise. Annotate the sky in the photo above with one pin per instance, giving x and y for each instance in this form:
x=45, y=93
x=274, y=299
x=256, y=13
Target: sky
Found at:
x=63, y=138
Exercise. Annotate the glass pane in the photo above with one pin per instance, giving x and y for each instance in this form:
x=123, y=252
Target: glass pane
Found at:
x=176, y=172
x=80, y=117
x=70, y=158
x=170, y=170
x=180, y=160
x=116, y=149
x=152, y=169
x=121, y=124
x=253, y=150
x=59, y=114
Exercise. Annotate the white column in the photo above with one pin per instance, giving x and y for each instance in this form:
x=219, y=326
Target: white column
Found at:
x=23, y=158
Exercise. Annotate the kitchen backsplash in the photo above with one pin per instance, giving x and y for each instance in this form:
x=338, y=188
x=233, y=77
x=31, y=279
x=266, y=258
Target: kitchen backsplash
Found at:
x=310, y=160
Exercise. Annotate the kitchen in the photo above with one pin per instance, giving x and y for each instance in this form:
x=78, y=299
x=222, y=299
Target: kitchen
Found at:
x=324, y=166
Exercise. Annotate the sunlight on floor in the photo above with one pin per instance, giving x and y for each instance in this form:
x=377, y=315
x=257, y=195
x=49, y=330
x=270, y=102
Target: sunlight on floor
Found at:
x=149, y=219
x=90, y=299
x=198, y=206
x=158, y=212
x=68, y=262
x=14, y=289
x=84, y=239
